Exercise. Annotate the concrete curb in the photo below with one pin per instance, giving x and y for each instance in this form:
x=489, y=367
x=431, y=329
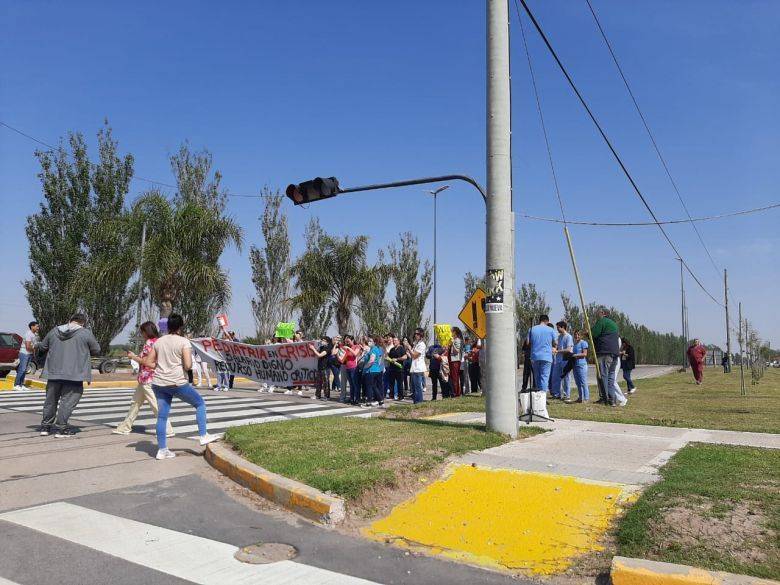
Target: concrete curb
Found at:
x=626, y=571
x=297, y=497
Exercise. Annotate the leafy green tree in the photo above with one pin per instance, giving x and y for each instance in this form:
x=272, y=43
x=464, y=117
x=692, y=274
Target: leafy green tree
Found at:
x=314, y=305
x=373, y=308
x=331, y=272
x=83, y=247
x=180, y=265
x=471, y=282
x=529, y=304
x=103, y=281
x=413, y=283
x=57, y=233
x=271, y=264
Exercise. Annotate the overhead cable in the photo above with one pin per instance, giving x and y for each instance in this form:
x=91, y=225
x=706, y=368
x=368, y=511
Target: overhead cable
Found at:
x=617, y=157
x=650, y=134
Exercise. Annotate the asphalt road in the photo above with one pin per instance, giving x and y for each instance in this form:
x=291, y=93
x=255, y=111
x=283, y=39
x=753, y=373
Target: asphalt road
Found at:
x=98, y=508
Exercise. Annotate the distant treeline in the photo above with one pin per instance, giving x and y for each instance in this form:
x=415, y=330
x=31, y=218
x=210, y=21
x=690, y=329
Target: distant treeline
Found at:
x=652, y=347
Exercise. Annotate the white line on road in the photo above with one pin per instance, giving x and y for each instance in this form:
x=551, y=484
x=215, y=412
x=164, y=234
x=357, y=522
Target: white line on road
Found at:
x=267, y=419
x=193, y=558
x=229, y=414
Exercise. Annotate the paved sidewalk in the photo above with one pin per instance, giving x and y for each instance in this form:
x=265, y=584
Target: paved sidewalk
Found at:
x=612, y=452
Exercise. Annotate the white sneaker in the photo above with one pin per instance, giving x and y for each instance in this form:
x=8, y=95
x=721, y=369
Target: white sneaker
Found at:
x=623, y=402
x=165, y=454
x=20, y=387
x=300, y=392
x=118, y=432
x=375, y=403
x=206, y=439
x=288, y=392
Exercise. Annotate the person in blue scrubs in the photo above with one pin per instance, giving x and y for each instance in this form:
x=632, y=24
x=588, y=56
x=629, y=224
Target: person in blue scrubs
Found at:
x=565, y=348
x=581, y=367
x=542, y=339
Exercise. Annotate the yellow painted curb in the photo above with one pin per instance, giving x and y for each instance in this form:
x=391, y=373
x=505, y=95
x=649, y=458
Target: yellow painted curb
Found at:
x=627, y=571
x=293, y=495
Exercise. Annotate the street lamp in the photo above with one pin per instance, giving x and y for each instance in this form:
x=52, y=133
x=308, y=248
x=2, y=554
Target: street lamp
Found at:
x=435, y=192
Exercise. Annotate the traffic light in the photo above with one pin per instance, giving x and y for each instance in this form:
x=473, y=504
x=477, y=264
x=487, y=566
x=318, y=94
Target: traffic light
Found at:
x=314, y=190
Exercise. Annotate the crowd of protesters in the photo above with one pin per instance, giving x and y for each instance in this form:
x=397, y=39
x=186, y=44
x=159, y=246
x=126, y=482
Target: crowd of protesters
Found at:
x=551, y=355
x=364, y=371
x=373, y=368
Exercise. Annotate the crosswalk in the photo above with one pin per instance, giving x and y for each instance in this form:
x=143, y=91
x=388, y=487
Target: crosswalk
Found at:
x=109, y=407
x=189, y=557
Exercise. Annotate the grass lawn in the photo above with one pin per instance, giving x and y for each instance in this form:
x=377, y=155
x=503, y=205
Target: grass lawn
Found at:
x=672, y=400
x=350, y=456
x=675, y=401
x=717, y=507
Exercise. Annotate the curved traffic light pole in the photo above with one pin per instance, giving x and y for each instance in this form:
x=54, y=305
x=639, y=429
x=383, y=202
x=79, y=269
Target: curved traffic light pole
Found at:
x=422, y=181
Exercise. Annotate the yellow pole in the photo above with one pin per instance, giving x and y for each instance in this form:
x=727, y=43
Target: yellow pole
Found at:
x=582, y=300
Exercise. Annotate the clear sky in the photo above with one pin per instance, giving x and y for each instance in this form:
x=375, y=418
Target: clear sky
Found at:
x=375, y=91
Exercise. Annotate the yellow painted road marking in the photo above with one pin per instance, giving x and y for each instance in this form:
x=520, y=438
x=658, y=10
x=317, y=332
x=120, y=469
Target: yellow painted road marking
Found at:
x=505, y=519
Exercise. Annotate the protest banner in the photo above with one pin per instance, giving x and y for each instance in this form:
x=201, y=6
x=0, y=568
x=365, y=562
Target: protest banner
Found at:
x=281, y=364
x=285, y=330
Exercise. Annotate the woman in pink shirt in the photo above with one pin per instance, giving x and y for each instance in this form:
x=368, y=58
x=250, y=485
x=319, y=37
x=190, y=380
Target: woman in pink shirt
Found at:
x=143, y=392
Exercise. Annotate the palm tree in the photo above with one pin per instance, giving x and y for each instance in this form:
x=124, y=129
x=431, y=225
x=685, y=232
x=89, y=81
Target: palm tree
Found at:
x=332, y=271
x=180, y=265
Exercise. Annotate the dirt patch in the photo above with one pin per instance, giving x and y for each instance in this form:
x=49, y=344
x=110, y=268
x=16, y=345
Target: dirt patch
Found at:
x=738, y=527
x=378, y=503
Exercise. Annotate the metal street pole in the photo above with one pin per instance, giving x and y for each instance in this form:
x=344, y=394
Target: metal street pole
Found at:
x=728, y=330
x=742, y=389
x=682, y=314
x=501, y=391
x=140, y=289
x=435, y=193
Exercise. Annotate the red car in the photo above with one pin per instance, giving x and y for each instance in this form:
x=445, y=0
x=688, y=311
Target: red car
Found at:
x=9, y=352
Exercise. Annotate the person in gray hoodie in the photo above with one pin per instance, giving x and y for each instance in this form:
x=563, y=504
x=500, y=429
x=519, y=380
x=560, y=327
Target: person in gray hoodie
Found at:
x=68, y=365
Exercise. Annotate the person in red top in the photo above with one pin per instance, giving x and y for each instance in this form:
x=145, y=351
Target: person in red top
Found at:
x=696, y=353
x=143, y=392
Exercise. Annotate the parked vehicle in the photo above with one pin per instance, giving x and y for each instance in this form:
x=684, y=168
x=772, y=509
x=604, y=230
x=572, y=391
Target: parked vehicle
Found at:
x=9, y=352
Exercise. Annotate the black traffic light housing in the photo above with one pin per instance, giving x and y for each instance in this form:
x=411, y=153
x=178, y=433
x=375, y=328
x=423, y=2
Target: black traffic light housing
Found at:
x=314, y=190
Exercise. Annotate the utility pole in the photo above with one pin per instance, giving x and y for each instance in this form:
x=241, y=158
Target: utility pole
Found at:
x=683, y=319
x=728, y=330
x=435, y=193
x=501, y=401
x=742, y=389
x=140, y=290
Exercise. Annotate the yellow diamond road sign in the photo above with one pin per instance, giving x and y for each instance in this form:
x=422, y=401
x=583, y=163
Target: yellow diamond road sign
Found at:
x=473, y=314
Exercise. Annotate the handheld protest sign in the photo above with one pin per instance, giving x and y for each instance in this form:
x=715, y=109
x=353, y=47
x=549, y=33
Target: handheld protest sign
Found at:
x=443, y=333
x=285, y=330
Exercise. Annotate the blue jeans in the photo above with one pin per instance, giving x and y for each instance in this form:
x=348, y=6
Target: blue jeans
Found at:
x=608, y=364
x=334, y=370
x=557, y=370
x=581, y=379
x=354, y=388
x=627, y=378
x=21, y=369
x=188, y=394
x=375, y=389
x=542, y=374
x=418, y=384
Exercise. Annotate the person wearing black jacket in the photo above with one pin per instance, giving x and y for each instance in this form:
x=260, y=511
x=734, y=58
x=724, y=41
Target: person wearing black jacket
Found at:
x=528, y=373
x=628, y=363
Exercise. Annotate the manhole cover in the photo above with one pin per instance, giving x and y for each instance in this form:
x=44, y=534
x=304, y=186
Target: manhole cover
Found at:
x=265, y=552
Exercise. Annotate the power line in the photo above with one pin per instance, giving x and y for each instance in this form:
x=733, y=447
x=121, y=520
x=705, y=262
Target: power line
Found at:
x=652, y=223
x=613, y=151
x=541, y=116
x=650, y=134
x=144, y=179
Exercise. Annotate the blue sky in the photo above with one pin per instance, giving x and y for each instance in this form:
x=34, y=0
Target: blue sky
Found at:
x=370, y=92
